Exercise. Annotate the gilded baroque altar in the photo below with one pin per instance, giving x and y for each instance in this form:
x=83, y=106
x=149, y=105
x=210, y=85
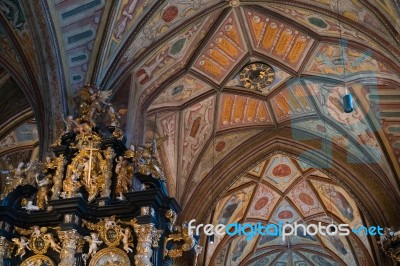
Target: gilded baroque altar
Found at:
x=92, y=201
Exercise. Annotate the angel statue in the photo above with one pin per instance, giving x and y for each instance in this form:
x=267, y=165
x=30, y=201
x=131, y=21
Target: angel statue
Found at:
x=124, y=172
x=98, y=98
x=94, y=241
x=22, y=244
x=49, y=238
x=70, y=124
x=114, y=116
x=43, y=184
x=125, y=240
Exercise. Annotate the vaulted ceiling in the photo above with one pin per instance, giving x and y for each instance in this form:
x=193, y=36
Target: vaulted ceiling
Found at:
x=173, y=67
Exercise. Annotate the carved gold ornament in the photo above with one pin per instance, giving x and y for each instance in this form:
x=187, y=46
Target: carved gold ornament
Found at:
x=38, y=260
x=110, y=257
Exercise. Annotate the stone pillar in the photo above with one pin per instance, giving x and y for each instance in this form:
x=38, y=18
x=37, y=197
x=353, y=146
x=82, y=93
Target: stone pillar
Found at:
x=145, y=234
x=71, y=240
x=4, y=249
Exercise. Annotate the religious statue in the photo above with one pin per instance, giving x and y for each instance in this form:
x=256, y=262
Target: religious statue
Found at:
x=125, y=239
x=22, y=244
x=42, y=195
x=70, y=124
x=17, y=177
x=114, y=116
x=94, y=242
x=50, y=239
x=71, y=185
x=124, y=172
x=106, y=169
x=59, y=164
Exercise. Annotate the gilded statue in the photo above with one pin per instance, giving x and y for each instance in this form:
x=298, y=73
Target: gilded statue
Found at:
x=70, y=124
x=16, y=177
x=109, y=232
x=126, y=239
x=124, y=173
x=58, y=163
x=94, y=242
x=71, y=185
x=22, y=244
x=53, y=244
x=42, y=195
x=148, y=163
x=107, y=172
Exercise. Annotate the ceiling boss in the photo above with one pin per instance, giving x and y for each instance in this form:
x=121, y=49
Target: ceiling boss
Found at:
x=257, y=76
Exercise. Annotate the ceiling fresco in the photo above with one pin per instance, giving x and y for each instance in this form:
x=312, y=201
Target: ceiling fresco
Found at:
x=174, y=69
x=308, y=198
x=78, y=24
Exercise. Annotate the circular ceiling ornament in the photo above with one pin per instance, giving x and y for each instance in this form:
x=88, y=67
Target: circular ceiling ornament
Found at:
x=257, y=76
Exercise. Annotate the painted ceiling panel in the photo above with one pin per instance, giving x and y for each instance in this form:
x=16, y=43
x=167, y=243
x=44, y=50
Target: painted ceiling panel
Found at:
x=15, y=15
x=389, y=9
x=285, y=213
x=328, y=61
x=384, y=102
x=241, y=111
x=240, y=182
x=171, y=57
x=223, y=51
x=267, y=260
x=329, y=98
x=217, y=150
x=307, y=197
x=263, y=202
x=305, y=200
x=195, y=130
x=353, y=10
x=168, y=126
x=277, y=39
x=24, y=135
x=291, y=102
x=240, y=248
x=281, y=172
x=163, y=21
x=181, y=91
x=318, y=259
x=258, y=170
x=127, y=16
x=77, y=29
x=340, y=246
x=232, y=208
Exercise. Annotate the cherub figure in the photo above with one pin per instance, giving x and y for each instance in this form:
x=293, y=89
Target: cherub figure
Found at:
x=125, y=239
x=94, y=242
x=22, y=244
x=49, y=238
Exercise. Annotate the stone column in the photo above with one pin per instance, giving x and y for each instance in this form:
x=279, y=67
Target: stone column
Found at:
x=71, y=240
x=145, y=234
x=4, y=249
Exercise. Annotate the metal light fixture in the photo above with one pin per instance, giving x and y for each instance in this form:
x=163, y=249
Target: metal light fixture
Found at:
x=211, y=239
x=347, y=98
x=348, y=103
